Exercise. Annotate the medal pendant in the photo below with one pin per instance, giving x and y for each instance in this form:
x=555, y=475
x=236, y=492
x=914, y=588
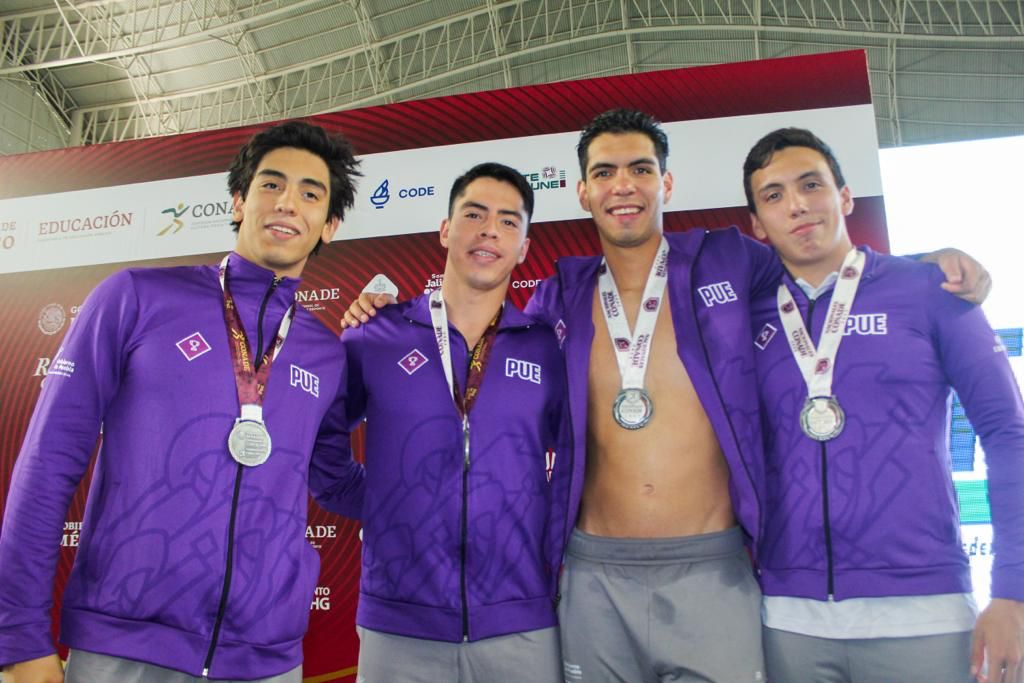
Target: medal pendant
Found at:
x=633, y=408
x=249, y=442
x=822, y=419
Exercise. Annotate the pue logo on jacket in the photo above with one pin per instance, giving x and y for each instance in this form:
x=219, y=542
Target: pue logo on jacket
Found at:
x=717, y=293
x=867, y=324
x=305, y=380
x=522, y=369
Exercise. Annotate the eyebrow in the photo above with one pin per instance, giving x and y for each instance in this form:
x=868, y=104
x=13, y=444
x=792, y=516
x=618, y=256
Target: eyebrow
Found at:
x=477, y=205
x=304, y=181
x=643, y=161
x=802, y=176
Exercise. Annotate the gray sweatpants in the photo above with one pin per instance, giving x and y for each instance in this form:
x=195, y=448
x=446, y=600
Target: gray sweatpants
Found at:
x=796, y=658
x=652, y=610
x=532, y=656
x=89, y=667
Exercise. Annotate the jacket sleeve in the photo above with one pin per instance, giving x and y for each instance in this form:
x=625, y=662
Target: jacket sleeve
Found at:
x=84, y=376
x=976, y=365
x=764, y=265
x=336, y=480
x=562, y=518
x=545, y=304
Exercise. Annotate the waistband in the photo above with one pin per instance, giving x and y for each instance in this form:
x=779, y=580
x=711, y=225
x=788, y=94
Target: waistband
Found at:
x=609, y=549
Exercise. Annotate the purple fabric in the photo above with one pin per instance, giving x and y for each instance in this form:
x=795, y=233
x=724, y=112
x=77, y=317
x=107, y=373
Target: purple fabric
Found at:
x=153, y=548
x=517, y=522
x=893, y=515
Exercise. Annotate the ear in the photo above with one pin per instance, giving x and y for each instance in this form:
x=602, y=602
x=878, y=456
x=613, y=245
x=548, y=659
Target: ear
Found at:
x=581, y=192
x=444, y=233
x=237, y=204
x=330, y=227
x=523, y=250
x=667, y=182
x=846, y=200
x=758, y=229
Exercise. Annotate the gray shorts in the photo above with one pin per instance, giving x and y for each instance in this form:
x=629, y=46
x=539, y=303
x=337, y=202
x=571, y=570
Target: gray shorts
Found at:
x=796, y=658
x=89, y=667
x=529, y=656
x=651, y=610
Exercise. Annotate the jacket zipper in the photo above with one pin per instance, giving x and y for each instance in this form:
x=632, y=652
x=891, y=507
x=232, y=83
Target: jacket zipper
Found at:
x=226, y=588
x=465, y=527
x=824, y=491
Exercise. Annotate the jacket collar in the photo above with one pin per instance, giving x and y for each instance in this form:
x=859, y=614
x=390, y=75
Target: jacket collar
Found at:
x=581, y=271
x=249, y=281
x=419, y=311
x=870, y=264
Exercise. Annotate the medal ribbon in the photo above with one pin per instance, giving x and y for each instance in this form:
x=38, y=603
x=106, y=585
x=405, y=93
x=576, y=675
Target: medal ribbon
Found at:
x=817, y=365
x=251, y=382
x=632, y=349
x=477, y=362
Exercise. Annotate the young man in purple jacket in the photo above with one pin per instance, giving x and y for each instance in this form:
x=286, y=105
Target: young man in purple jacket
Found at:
x=220, y=403
x=469, y=478
x=861, y=561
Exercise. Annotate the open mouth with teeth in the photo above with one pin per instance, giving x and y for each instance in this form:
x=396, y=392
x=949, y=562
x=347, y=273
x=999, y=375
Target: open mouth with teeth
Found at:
x=483, y=254
x=624, y=210
x=283, y=230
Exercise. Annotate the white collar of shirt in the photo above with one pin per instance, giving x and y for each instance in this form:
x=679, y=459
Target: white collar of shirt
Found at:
x=813, y=292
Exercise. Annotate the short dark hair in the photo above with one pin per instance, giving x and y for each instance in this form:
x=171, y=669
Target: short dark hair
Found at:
x=501, y=172
x=335, y=150
x=618, y=121
x=760, y=155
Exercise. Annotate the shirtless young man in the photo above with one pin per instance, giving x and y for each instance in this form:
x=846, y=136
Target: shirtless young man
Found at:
x=657, y=585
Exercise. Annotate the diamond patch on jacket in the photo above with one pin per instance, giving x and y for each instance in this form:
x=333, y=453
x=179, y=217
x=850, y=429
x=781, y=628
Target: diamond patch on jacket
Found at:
x=193, y=346
x=413, y=361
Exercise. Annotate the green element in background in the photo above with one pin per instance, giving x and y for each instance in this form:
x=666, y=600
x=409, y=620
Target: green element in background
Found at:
x=973, y=497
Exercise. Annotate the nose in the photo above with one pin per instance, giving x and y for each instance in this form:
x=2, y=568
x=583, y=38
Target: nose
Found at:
x=489, y=228
x=623, y=182
x=797, y=205
x=287, y=200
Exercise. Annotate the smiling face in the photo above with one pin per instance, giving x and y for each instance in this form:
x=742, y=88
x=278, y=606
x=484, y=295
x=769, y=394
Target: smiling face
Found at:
x=801, y=212
x=284, y=212
x=485, y=235
x=624, y=188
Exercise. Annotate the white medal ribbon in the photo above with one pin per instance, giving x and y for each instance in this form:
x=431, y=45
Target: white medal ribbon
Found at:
x=817, y=365
x=632, y=349
x=254, y=411
x=439, y=319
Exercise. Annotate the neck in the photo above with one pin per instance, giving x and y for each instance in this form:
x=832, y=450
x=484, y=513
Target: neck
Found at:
x=814, y=273
x=471, y=310
x=630, y=266
x=294, y=271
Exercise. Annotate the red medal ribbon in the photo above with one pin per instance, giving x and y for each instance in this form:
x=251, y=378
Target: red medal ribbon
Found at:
x=477, y=366
x=251, y=383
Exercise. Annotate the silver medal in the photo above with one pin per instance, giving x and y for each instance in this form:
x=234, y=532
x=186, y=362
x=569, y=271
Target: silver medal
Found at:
x=249, y=442
x=633, y=408
x=822, y=418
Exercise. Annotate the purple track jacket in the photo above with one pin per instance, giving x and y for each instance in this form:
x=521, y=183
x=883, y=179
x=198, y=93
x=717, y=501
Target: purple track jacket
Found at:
x=464, y=528
x=186, y=560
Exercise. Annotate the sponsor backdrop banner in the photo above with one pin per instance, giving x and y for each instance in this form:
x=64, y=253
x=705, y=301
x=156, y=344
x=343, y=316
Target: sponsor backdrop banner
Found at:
x=69, y=218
